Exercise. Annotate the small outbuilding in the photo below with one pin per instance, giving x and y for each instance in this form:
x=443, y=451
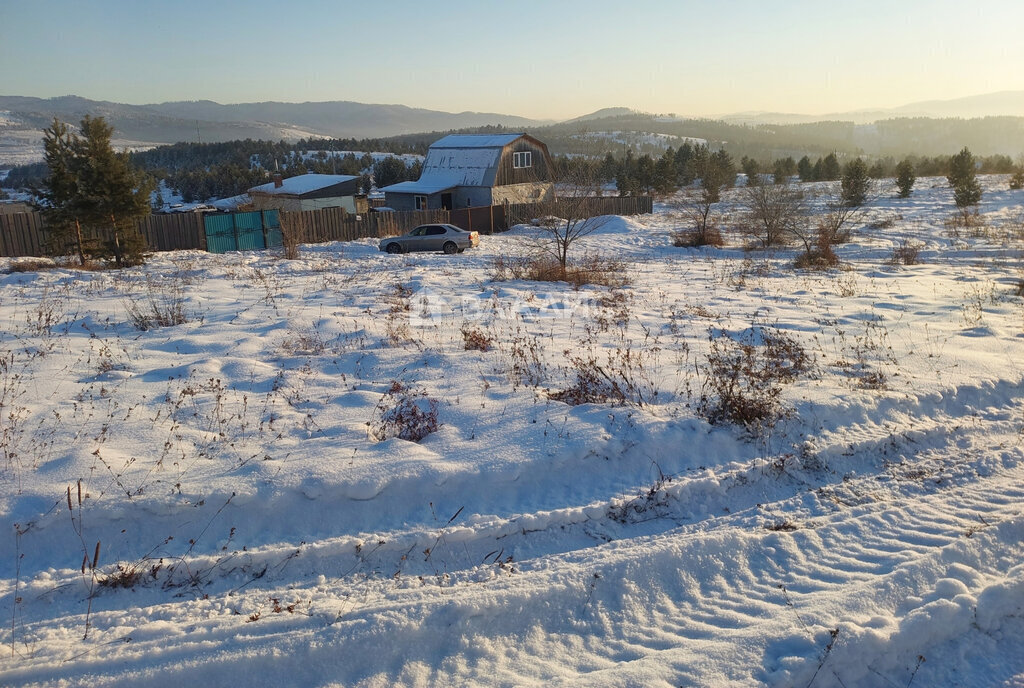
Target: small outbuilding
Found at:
x=463, y=170
x=310, y=192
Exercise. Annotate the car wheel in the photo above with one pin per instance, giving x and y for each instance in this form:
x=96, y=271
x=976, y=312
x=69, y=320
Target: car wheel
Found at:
x=393, y=248
x=462, y=250
x=450, y=248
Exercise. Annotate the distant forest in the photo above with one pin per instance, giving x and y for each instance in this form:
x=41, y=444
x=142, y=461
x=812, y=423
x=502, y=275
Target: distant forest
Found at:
x=204, y=171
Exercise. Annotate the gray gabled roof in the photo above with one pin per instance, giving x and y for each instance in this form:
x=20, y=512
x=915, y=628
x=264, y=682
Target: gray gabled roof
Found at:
x=458, y=160
x=303, y=184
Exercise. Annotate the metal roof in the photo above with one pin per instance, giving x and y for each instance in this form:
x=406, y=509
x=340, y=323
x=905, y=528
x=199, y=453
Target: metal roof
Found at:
x=476, y=140
x=303, y=184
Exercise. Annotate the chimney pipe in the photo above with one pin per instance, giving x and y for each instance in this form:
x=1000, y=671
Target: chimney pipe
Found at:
x=278, y=181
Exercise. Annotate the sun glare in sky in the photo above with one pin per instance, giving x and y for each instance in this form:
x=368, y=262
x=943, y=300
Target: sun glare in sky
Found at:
x=537, y=59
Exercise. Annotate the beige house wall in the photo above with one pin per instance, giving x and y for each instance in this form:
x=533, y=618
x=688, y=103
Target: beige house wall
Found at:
x=292, y=204
x=534, y=192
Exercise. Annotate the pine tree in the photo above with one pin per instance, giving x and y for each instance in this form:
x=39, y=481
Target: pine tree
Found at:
x=905, y=177
x=684, y=164
x=805, y=169
x=645, y=173
x=855, y=184
x=609, y=168
x=60, y=202
x=723, y=162
x=783, y=169
x=1017, y=180
x=816, y=171
x=752, y=169
x=665, y=173
x=963, y=178
x=111, y=194
x=830, y=170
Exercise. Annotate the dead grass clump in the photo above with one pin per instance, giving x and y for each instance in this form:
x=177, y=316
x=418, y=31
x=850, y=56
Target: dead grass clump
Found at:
x=128, y=576
x=475, y=339
x=886, y=222
x=969, y=219
x=622, y=378
x=692, y=238
x=406, y=413
x=31, y=265
x=744, y=378
x=590, y=269
x=592, y=385
x=907, y=253
x=309, y=343
x=821, y=257
x=162, y=305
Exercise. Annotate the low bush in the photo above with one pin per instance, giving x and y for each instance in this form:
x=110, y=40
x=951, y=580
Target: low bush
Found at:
x=406, y=413
x=162, y=305
x=907, y=253
x=744, y=378
x=694, y=238
x=590, y=269
x=474, y=339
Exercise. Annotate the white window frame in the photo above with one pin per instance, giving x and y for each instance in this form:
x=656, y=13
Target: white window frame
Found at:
x=522, y=160
x=420, y=201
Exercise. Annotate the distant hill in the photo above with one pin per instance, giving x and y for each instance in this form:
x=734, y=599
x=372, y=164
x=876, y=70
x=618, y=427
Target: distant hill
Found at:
x=22, y=120
x=1000, y=104
x=604, y=113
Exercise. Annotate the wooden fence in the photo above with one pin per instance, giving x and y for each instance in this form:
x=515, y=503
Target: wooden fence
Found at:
x=24, y=234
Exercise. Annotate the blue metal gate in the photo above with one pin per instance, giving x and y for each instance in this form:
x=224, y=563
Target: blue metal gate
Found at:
x=242, y=231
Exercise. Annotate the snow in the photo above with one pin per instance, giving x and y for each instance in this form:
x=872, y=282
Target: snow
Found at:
x=475, y=140
x=302, y=184
x=445, y=168
x=873, y=537
x=632, y=138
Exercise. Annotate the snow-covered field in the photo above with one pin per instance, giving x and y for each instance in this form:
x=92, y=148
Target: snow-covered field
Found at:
x=210, y=503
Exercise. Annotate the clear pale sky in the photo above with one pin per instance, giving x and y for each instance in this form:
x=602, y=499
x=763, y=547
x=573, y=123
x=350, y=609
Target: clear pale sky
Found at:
x=544, y=59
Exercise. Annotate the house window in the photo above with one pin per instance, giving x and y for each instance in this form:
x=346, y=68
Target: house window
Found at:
x=421, y=202
x=524, y=159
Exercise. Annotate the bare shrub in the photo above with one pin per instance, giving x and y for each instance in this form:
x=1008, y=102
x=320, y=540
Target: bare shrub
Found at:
x=162, y=305
x=527, y=364
x=694, y=238
x=907, y=253
x=31, y=265
x=474, y=339
x=702, y=224
x=399, y=307
x=622, y=378
x=744, y=378
x=578, y=185
x=645, y=505
x=968, y=219
x=590, y=268
x=773, y=212
x=821, y=255
x=293, y=233
x=406, y=413
x=309, y=343
x=128, y=576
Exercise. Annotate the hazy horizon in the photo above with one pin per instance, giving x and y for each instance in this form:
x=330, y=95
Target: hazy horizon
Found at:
x=539, y=61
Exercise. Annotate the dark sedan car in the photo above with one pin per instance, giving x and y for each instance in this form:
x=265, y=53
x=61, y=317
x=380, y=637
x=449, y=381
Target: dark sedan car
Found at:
x=447, y=238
